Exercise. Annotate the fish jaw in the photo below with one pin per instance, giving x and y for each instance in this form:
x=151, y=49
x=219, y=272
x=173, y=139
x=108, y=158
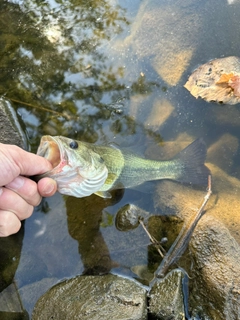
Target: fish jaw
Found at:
x=70, y=174
x=53, y=151
x=66, y=177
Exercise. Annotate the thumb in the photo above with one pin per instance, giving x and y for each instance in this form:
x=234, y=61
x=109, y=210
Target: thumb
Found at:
x=15, y=161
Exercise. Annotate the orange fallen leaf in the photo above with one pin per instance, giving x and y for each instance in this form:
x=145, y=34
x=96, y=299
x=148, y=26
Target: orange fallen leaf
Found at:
x=225, y=78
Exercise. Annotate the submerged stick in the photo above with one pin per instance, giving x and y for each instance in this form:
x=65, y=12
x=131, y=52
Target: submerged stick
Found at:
x=181, y=243
x=156, y=243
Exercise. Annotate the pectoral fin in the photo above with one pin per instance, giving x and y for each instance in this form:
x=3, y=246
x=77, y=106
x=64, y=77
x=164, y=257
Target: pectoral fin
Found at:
x=103, y=194
x=111, y=178
x=108, y=185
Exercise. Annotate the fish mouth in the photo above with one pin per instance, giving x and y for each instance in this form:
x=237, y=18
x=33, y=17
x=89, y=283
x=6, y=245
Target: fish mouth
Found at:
x=74, y=176
x=52, y=150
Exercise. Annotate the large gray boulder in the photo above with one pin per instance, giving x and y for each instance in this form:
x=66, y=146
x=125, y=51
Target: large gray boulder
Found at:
x=93, y=298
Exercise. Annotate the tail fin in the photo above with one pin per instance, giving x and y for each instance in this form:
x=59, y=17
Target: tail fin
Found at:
x=191, y=161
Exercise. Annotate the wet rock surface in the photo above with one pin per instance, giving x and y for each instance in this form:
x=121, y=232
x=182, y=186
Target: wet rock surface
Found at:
x=216, y=270
x=11, y=131
x=93, y=297
x=30, y=293
x=166, y=297
x=127, y=218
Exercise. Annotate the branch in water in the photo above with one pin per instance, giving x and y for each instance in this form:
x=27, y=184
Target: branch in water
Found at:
x=181, y=243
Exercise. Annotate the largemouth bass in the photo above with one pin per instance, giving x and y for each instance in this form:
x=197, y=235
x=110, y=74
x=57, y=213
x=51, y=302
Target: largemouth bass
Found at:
x=81, y=169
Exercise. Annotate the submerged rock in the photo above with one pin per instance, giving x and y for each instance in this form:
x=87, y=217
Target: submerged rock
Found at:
x=172, y=43
x=160, y=112
x=93, y=297
x=229, y=115
x=214, y=246
x=127, y=217
x=223, y=205
x=222, y=152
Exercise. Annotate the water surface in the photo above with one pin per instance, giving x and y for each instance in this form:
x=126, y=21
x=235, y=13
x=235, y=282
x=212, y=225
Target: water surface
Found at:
x=95, y=71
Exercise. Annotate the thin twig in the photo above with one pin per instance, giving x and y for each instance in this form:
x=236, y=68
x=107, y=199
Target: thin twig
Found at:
x=34, y=106
x=156, y=243
x=181, y=243
x=59, y=114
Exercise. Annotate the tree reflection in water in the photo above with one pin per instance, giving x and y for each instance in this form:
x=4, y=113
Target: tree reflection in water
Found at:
x=55, y=56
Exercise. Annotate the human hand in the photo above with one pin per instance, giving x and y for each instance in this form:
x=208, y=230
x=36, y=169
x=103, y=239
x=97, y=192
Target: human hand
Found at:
x=18, y=193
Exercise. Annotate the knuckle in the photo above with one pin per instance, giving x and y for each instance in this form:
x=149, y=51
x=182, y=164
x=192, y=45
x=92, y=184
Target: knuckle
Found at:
x=33, y=197
x=38, y=202
x=4, y=232
x=29, y=212
x=33, y=191
x=8, y=224
x=4, y=220
x=16, y=227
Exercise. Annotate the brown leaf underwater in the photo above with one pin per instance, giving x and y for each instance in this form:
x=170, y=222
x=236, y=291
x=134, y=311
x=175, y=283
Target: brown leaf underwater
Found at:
x=217, y=81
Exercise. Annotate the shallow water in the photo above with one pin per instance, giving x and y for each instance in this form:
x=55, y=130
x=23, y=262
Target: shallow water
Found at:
x=94, y=71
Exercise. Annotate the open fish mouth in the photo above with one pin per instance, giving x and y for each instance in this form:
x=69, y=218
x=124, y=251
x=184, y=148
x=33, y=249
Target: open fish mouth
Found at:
x=67, y=176
x=53, y=151
x=78, y=171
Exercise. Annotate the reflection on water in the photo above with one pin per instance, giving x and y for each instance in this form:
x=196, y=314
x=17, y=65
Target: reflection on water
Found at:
x=84, y=225
x=106, y=72
x=59, y=61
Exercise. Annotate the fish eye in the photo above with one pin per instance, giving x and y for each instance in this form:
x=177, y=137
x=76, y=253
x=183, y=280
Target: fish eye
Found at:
x=73, y=144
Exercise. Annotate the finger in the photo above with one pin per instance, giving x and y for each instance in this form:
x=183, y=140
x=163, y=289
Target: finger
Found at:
x=27, y=189
x=9, y=223
x=15, y=161
x=11, y=201
x=47, y=187
x=32, y=164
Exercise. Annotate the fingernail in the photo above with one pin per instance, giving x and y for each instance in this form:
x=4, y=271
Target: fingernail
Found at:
x=49, y=188
x=17, y=183
x=1, y=190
